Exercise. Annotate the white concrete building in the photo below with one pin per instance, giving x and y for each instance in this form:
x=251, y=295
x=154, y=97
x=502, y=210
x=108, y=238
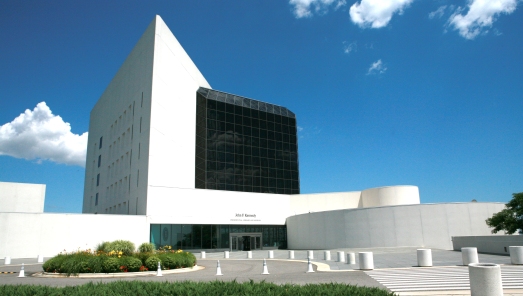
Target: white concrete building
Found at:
x=172, y=161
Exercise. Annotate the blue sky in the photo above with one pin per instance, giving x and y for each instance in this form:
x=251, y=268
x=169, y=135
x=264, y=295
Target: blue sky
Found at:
x=392, y=92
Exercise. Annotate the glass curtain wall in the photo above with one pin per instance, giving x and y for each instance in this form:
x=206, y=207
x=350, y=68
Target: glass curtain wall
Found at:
x=245, y=145
x=202, y=236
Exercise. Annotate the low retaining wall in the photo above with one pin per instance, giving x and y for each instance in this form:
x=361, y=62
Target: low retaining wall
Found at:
x=491, y=244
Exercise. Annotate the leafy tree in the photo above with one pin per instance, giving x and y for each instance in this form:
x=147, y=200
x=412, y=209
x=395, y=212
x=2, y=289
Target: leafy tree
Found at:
x=509, y=219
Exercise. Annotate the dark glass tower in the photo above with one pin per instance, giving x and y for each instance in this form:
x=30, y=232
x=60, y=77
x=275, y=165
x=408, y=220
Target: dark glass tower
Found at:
x=245, y=145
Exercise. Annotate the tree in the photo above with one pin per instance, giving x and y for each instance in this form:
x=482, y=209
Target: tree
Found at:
x=509, y=219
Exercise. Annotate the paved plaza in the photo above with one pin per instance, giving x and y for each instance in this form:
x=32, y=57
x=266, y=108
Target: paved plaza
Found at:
x=395, y=270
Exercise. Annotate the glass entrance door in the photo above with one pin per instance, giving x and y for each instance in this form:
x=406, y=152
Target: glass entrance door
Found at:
x=245, y=241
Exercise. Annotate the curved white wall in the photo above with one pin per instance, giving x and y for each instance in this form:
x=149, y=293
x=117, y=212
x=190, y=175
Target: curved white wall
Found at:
x=422, y=225
x=390, y=196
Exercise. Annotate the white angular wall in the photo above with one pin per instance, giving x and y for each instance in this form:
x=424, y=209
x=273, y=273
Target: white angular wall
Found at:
x=22, y=197
x=147, y=118
x=27, y=235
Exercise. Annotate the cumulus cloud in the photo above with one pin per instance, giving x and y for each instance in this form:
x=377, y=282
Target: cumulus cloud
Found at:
x=376, y=13
x=41, y=135
x=438, y=12
x=377, y=68
x=480, y=14
x=306, y=8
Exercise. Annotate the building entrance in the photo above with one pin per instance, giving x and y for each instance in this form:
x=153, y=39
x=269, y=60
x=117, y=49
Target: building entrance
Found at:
x=245, y=241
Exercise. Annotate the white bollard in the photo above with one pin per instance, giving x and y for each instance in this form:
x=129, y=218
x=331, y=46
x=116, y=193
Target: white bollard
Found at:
x=265, y=270
x=291, y=254
x=226, y=254
x=310, y=254
x=485, y=279
x=22, y=271
x=202, y=255
x=159, y=270
x=218, y=268
x=309, y=265
x=327, y=255
x=39, y=259
x=366, y=260
x=341, y=256
x=351, y=258
x=249, y=254
x=469, y=255
x=271, y=254
x=424, y=257
x=7, y=260
x=516, y=254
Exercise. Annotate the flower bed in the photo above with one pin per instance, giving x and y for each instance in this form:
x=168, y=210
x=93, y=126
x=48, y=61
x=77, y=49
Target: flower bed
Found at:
x=104, y=260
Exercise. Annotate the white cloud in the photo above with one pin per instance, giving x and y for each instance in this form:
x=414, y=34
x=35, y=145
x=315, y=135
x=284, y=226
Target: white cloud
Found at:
x=376, y=13
x=481, y=14
x=40, y=135
x=350, y=47
x=377, y=68
x=438, y=12
x=306, y=8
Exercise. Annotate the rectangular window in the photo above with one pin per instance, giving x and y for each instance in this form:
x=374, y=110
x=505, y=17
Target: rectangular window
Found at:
x=139, y=149
x=140, y=124
x=97, y=179
x=99, y=160
x=100, y=145
x=96, y=200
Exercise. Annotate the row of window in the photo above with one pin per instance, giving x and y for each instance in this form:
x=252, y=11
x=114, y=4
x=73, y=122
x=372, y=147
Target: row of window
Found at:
x=214, y=107
x=217, y=117
x=248, y=155
x=247, y=135
x=198, y=236
x=253, y=173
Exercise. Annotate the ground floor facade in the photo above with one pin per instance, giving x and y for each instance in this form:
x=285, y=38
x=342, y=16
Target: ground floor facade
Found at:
x=217, y=237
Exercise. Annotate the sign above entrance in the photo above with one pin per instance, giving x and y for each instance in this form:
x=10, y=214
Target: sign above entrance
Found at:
x=245, y=217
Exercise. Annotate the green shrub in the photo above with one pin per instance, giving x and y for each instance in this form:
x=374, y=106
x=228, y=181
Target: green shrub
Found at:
x=130, y=264
x=146, y=248
x=101, y=246
x=54, y=264
x=194, y=288
x=95, y=264
x=110, y=265
x=126, y=247
x=75, y=264
x=152, y=263
x=170, y=260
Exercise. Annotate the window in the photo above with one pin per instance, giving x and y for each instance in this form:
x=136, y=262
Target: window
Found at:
x=100, y=145
x=99, y=160
x=97, y=179
x=96, y=200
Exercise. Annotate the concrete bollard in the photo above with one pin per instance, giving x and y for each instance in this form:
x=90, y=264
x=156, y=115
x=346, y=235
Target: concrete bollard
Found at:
x=327, y=255
x=39, y=259
x=351, y=258
x=310, y=254
x=469, y=255
x=22, y=271
x=7, y=260
x=271, y=254
x=424, y=257
x=226, y=254
x=218, y=268
x=291, y=254
x=485, y=279
x=159, y=270
x=309, y=265
x=341, y=256
x=202, y=255
x=366, y=260
x=516, y=254
x=265, y=270
x=249, y=254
